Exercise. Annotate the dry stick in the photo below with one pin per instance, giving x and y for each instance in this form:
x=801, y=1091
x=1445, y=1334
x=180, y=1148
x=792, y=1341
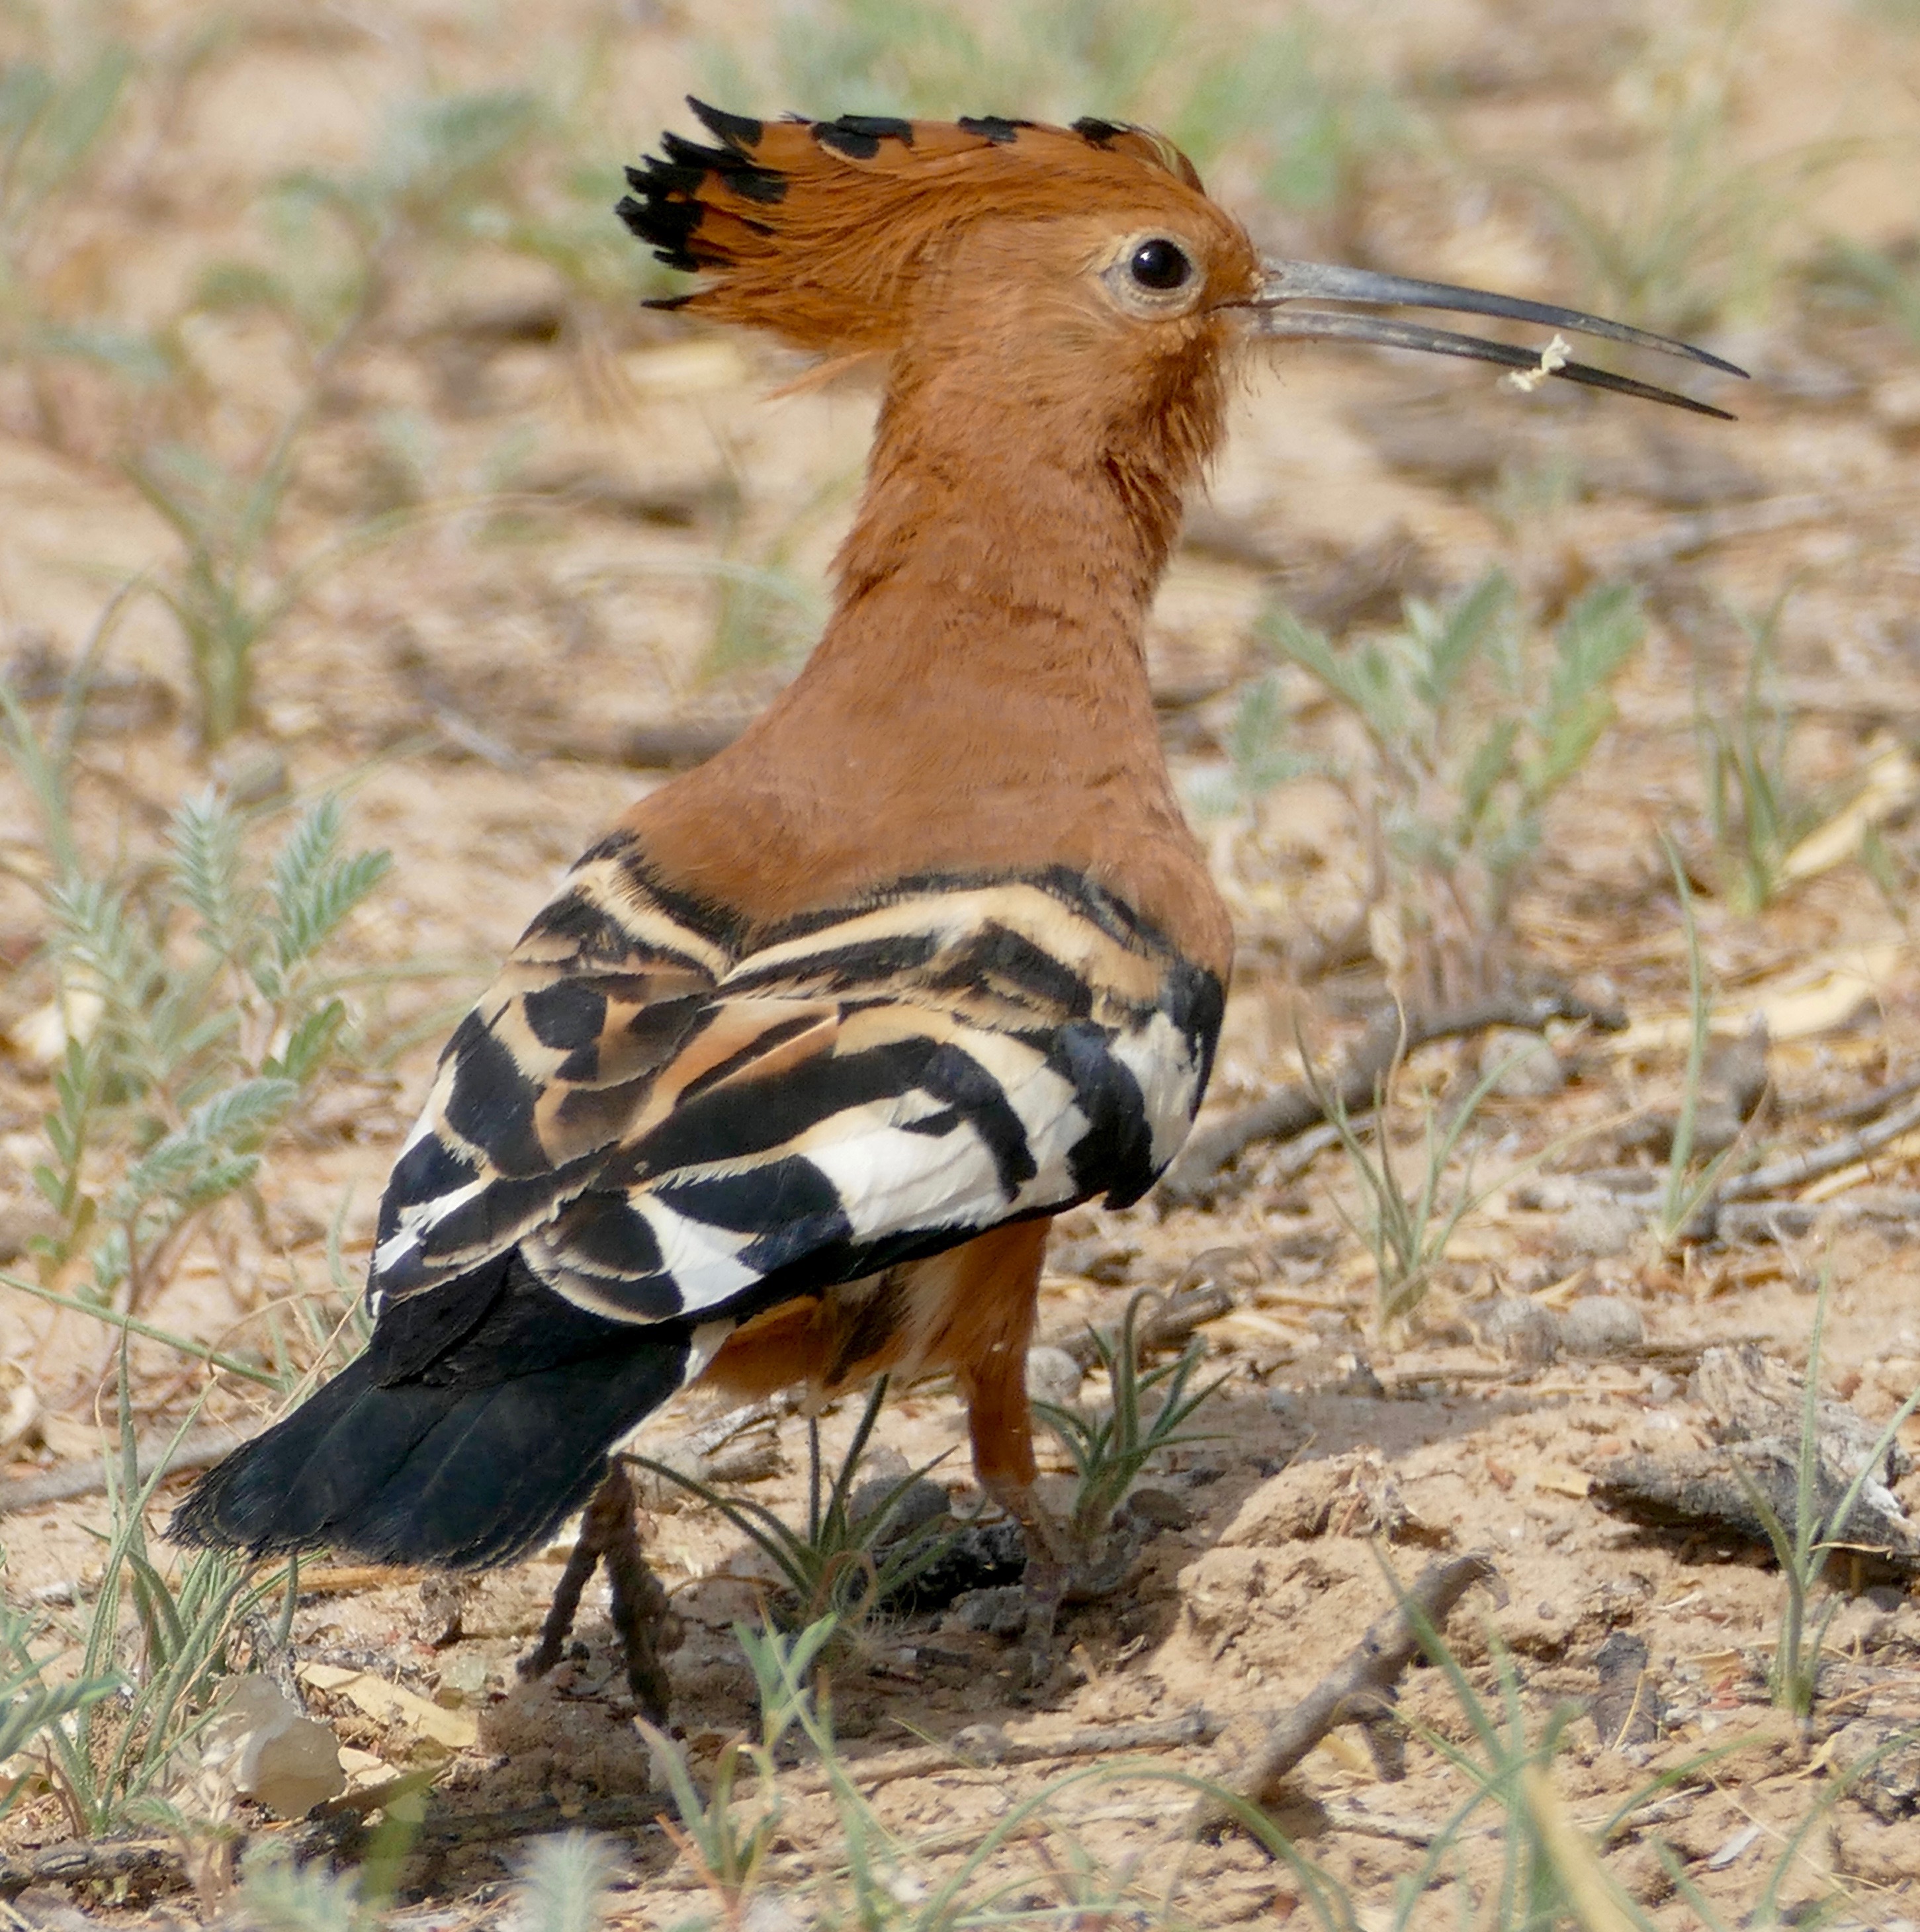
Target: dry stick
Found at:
x=1356, y=1818
x=1198, y=1726
x=144, y=1866
x=1167, y=1327
x=135, y=1866
x=1360, y=1691
x=1817, y=1161
x=1392, y=1031
x=1866, y=1106
x=194, y=1450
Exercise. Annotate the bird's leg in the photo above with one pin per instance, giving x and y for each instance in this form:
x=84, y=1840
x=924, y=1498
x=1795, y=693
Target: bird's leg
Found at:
x=992, y=1287
x=641, y=1614
x=1001, y=1424
x=647, y=1627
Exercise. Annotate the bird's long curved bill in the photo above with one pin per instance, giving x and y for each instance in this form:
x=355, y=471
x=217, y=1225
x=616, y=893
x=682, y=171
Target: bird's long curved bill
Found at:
x=1289, y=282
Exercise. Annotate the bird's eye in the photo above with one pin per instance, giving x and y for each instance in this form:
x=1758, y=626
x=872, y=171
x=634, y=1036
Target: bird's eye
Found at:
x=1160, y=264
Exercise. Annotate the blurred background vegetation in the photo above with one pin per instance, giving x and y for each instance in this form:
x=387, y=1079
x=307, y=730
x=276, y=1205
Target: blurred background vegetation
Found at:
x=352, y=505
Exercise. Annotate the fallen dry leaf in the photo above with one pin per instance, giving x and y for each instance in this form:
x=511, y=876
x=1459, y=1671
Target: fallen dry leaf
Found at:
x=1813, y=999
x=387, y=1704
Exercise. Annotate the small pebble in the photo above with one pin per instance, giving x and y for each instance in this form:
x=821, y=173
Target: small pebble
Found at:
x=1599, y=1228
x=1601, y=1324
x=981, y=1743
x=1159, y=1509
x=1000, y=1611
x=1053, y=1376
x=921, y=1501
x=1528, y=1068
x=1662, y=1388
x=1523, y=1330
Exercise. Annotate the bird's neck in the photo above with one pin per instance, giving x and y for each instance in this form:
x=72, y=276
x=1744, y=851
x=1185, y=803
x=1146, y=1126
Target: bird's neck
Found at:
x=979, y=701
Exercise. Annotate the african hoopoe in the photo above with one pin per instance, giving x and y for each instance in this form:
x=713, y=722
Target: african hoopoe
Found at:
x=785, y=1083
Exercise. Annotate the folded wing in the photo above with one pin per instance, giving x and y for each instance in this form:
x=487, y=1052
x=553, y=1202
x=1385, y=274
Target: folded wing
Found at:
x=668, y=1123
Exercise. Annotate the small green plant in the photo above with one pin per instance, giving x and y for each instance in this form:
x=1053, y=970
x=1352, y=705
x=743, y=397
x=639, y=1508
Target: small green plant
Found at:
x=1471, y=722
x=864, y=1875
x=728, y=1845
x=438, y=177
x=196, y=1013
x=1112, y=1446
x=1757, y=811
x=842, y=1566
x=152, y=1655
x=276, y=1894
x=1258, y=758
x=1692, y=232
x=1801, y=1548
x=1860, y=279
x=1407, y=1234
x=225, y=596
x=33, y=1698
x=1550, y=1872
x=60, y=109
x=565, y=1883
x=1683, y=1191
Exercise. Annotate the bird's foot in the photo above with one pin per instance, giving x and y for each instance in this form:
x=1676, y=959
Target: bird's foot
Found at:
x=1062, y=1568
x=647, y=1627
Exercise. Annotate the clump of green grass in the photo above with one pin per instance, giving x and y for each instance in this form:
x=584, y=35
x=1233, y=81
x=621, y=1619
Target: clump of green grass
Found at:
x=1146, y=1417
x=1472, y=718
x=1407, y=1232
x=1685, y=1190
x=728, y=1842
x=62, y=104
x=844, y=1564
x=114, y=1741
x=1757, y=809
x=866, y=1876
x=1512, y=1855
x=1693, y=232
x=198, y=1009
x=1802, y=1547
x=337, y=246
x=1259, y=758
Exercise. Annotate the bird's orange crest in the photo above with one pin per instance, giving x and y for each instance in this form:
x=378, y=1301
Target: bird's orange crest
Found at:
x=823, y=230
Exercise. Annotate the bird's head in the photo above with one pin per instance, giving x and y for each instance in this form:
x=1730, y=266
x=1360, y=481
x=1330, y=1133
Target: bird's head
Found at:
x=1077, y=275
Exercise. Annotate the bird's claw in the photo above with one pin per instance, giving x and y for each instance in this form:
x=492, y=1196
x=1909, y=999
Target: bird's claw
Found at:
x=1066, y=1570
x=647, y=1626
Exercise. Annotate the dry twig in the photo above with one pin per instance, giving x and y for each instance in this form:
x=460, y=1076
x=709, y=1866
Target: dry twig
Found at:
x=68, y=1481
x=1168, y=1327
x=1361, y=1691
x=1796, y=1168
x=986, y=1746
x=1192, y=1180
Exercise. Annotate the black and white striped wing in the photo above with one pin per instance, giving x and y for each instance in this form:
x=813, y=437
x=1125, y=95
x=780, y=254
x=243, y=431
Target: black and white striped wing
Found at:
x=885, y=1083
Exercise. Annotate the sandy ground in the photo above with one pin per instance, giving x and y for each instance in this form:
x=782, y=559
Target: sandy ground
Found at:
x=475, y=682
